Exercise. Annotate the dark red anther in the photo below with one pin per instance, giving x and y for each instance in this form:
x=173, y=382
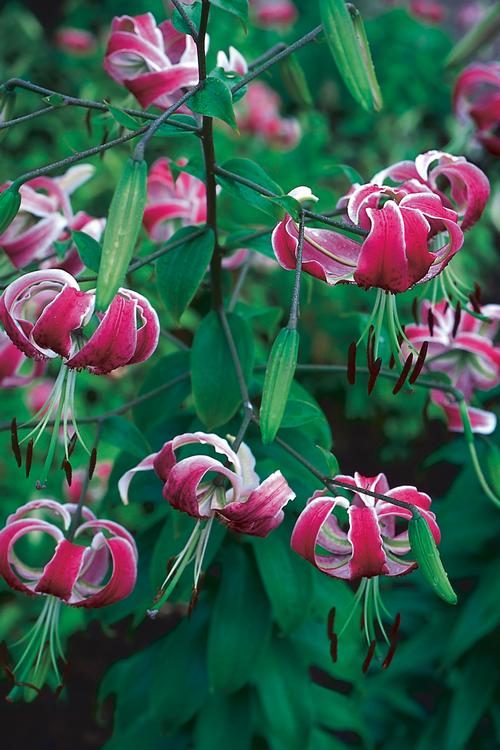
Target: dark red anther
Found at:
x=370, y=347
x=392, y=362
x=374, y=373
x=415, y=311
x=333, y=648
x=29, y=457
x=92, y=462
x=419, y=363
x=194, y=600
x=458, y=317
x=72, y=444
x=477, y=292
x=16, y=450
x=475, y=303
x=404, y=374
x=369, y=656
x=393, y=639
x=68, y=470
x=430, y=321
x=351, y=364
x=446, y=306
x=331, y=622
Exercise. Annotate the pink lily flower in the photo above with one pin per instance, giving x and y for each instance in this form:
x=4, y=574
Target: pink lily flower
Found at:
x=154, y=62
x=476, y=98
x=76, y=574
x=259, y=114
x=46, y=216
x=274, y=13
x=427, y=10
x=11, y=362
x=45, y=313
x=75, y=41
x=247, y=507
x=372, y=546
x=463, y=349
x=172, y=200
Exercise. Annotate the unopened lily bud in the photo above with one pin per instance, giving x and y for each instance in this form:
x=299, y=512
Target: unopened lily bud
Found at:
x=351, y=53
x=10, y=200
x=303, y=194
x=427, y=555
x=122, y=230
x=295, y=81
x=277, y=382
x=364, y=48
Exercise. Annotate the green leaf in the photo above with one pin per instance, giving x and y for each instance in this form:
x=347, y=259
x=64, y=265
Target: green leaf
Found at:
x=194, y=14
x=480, y=34
x=155, y=409
x=284, y=690
x=55, y=100
x=224, y=723
x=180, y=271
x=260, y=243
x=253, y=172
x=287, y=578
x=215, y=384
x=214, y=100
x=123, y=434
x=241, y=615
x=168, y=128
x=123, y=119
x=238, y=8
x=89, y=249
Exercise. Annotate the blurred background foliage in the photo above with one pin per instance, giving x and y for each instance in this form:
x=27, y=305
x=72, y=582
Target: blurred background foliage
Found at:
x=132, y=681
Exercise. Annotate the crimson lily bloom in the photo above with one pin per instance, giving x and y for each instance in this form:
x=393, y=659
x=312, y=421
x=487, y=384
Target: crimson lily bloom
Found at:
x=372, y=546
x=75, y=41
x=11, y=362
x=464, y=350
x=476, y=97
x=46, y=216
x=172, y=201
x=155, y=63
x=76, y=574
x=258, y=113
x=274, y=13
x=247, y=507
x=45, y=313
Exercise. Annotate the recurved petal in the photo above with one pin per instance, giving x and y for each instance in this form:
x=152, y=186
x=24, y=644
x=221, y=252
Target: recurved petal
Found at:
x=10, y=567
x=123, y=575
x=182, y=488
x=482, y=422
x=368, y=556
x=147, y=464
x=148, y=332
x=262, y=511
x=62, y=571
x=66, y=313
x=306, y=535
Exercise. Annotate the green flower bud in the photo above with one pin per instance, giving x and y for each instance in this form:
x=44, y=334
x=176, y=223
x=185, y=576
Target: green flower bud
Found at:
x=10, y=200
x=427, y=555
x=277, y=382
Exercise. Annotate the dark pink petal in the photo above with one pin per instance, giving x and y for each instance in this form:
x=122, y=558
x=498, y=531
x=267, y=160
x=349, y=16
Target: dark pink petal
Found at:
x=368, y=556
x=262, y=511
x=123, y=576
x=148, y=333
x=307, y=533
x=8, y=561
x=61, y=572
x=113, y=343
x=65, y=314
x=148, y=88
x=24, y=245
x=116, y=529
x=482, y=422
x=398, y=172
x=182, y=488
x=51, y=506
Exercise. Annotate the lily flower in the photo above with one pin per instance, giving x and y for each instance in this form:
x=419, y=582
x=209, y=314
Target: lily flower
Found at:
x=233, y=496
x=371, y=545
x=46, y=216
x=476, y=98
x=172, y=201
x=45, y=314
x=258, y=113
x=154, y=62
x=274, y=13
x=75, y=41
x=12, y=361
x=76, y=574
x=461, y=346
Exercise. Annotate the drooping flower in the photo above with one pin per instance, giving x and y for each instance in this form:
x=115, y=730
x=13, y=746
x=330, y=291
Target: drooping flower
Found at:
x=75, y=41
x=93, y=564
x=154, y=62
x=476, y=98
x=258, y=113
x=12, y=361
x=45, y=314
x=274, y=13
x=46, y=216
x=461, y=346
x=234, y=497
x=172, y=201
x=370, y=545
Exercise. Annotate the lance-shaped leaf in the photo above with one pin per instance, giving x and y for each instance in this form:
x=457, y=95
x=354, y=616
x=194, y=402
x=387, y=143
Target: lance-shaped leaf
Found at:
x=240, y=623
x=10, y=200
x=214, y=99
x=122, y=230
x=216, y=390
x=480, y=34
x=350, y=52
x=89, y=249
x=123, y=434
x=295, y=81
x=427, y=555
x=270, y=193
x=277, y=383
x=180, y=271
